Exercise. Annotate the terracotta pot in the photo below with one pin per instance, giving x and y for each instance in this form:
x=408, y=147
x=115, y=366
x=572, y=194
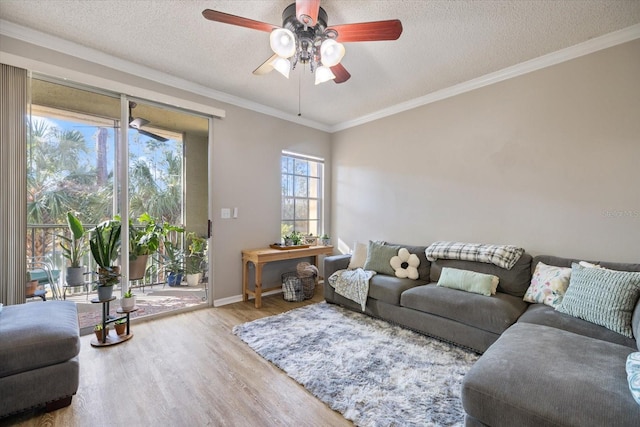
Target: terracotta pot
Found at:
x=121, y=328
x=100, y=332
x=137, y=267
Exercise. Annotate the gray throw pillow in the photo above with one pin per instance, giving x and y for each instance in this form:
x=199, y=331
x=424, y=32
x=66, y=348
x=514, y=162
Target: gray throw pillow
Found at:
x=379, y=257
x=601, y=296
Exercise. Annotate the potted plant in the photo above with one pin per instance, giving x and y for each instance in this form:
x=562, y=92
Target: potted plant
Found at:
x=144, y=240
x=128, y=301
x=325, y=240
x=101, y=334
x=293, y=239
x=105, y=245
x=174, y=263
x=73, y=249
x=195, y=261
x=120, y=326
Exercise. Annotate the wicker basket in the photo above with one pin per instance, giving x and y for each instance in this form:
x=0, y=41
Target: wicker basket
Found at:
x=295, y=288
x=292, y=287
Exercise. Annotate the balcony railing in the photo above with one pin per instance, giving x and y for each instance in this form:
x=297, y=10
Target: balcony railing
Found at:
x=43, y=242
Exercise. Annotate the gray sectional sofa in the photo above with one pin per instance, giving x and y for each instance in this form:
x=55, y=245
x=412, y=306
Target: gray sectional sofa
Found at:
x=539, y=367
x=39, y=346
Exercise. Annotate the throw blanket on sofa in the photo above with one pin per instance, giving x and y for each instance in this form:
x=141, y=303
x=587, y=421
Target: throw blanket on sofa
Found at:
x=504, y=256
x=352, y=284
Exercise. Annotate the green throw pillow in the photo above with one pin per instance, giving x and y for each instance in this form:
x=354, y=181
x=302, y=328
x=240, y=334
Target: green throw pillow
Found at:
x=379, y=258
x=601, y=296
x=469, y=281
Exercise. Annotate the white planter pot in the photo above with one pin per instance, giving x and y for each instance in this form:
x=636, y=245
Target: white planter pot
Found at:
x=194, y=279
x=128, y=303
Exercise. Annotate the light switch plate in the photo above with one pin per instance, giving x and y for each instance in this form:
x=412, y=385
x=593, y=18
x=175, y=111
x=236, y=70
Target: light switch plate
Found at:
x=225, y=213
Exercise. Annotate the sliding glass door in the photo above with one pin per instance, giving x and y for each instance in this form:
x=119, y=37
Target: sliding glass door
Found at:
x=76, y=140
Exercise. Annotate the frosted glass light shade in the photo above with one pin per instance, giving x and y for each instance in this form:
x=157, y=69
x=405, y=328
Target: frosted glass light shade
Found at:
x=283, y=42
x=283, y=66
x=324, y=74
x=331, y=52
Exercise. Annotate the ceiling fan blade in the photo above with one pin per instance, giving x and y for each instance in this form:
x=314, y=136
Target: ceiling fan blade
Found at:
x=368, y=31
x=266, y=66
x=341, y=73
x=307, y=11
x=138, y=123
x=226, y=18
x=152, y=135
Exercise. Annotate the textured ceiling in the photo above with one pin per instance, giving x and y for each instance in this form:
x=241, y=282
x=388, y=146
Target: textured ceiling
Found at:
x=444, y=43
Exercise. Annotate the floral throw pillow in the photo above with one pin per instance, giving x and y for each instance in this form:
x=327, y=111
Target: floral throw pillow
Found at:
x=548, y=284
x=405, y=264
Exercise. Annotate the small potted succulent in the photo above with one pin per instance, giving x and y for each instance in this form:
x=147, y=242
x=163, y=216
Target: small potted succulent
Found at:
x=128, y=301
x=325, y=240
x=101, y=334
x=120, y=326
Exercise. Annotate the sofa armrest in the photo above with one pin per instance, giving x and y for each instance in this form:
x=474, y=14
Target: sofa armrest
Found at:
x=334, y=263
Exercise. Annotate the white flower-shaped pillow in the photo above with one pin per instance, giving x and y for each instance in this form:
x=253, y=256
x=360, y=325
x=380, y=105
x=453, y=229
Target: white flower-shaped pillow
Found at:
x=406, y=264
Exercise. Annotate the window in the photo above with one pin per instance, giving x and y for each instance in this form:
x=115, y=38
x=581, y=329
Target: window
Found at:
x=302, y=184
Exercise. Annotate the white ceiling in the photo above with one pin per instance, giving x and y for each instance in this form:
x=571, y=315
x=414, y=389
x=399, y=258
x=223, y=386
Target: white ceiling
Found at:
x=444, y=43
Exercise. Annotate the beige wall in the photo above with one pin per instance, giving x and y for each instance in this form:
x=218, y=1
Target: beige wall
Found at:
x=549, y=161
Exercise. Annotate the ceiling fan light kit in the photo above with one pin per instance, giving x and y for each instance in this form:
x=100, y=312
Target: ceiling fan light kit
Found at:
x=305, y=38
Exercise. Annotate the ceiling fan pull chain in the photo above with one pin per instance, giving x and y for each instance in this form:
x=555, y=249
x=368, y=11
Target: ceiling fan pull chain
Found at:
x=299, y=93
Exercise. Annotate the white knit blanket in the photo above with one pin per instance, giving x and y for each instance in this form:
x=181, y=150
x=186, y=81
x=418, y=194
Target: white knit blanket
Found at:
x=352, y=284
x=504, y=256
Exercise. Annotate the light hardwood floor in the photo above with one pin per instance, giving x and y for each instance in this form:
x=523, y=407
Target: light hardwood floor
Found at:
x=188, y=370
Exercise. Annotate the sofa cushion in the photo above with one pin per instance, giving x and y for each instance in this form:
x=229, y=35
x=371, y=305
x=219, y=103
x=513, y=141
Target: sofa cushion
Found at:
x=379, y=257
x=535, y=375
x=513, y=282
x=549, y=283
x=389, y=288
x=493, y=314
x=633, y=375
x=38, y=334
x=541, y=314
x=359, y=256
x=424, y=268
x=469, y=281
x=602, y=296
x=566, y=262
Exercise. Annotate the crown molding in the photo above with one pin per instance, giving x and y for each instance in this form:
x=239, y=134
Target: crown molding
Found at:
x=38, y=38
x=590, y=46
x=58, y=44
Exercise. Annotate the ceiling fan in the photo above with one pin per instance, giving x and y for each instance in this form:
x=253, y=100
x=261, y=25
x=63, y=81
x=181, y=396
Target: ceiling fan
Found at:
x=305, y=38
x=138, y=123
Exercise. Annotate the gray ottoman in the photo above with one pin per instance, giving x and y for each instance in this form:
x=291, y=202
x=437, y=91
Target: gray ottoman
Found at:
x=39, y=346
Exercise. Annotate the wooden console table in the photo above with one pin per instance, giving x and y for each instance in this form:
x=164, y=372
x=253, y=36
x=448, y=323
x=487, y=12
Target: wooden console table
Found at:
x=260, y=257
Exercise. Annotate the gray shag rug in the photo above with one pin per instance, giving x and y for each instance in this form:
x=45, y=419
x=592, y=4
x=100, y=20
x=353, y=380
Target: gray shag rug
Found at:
x=372, y=372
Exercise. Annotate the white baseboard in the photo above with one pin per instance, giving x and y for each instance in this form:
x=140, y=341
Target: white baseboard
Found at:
x=238, y=298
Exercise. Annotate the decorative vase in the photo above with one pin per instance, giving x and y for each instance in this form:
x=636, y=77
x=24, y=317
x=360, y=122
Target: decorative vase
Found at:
x=105, y=292
x=128, y=304
x=75, y=276
x=193, y=279
x=137, y=267
x=174, y=279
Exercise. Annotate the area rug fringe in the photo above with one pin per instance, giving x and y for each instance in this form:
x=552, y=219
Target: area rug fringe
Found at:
x=372, y=372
